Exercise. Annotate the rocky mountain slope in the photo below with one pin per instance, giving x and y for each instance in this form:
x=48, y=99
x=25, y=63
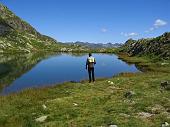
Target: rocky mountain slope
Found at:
x=156, y=47
x=96, y=45
x=17, y=35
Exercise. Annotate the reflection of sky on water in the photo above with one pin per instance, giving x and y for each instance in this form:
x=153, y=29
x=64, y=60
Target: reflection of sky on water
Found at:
x=65, y=67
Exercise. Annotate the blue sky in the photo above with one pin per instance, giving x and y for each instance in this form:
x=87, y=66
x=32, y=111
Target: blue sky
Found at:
x=94, y=20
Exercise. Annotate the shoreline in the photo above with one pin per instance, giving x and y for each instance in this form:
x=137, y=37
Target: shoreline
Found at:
x=50, y=86
x=65, y=82
x=102, y=103
x=124, y=57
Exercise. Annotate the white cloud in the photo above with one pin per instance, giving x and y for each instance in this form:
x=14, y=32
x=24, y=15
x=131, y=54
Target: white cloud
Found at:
x=104, y=30
x=159, y=23
x=129, y=34
x=132, y=34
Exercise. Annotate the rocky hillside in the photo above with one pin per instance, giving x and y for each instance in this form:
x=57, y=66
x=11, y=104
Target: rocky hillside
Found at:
x=95, y=45
x=156, y=47
x=17, y=35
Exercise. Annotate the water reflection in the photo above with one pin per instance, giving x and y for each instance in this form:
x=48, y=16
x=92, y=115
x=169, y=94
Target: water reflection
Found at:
x=18, y=71
x=13, y=66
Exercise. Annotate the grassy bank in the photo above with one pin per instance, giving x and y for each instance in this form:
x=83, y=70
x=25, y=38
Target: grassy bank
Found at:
x=146, y=63
x=103, y=103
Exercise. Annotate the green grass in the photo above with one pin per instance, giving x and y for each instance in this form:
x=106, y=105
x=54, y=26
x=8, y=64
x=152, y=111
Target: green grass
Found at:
x=146, y=63
x=92, y=104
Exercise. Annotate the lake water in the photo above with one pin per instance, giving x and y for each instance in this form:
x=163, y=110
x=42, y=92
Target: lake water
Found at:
x=30, y=71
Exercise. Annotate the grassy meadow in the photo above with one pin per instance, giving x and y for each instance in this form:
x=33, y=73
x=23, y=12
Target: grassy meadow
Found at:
x=101, y=104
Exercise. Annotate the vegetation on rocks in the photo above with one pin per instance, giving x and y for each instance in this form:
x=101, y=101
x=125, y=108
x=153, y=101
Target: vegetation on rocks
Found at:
x=18, y=36
x=158, y=47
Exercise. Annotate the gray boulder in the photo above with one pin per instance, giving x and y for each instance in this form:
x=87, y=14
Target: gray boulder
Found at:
x=113, y=126
x=165, y=85
x=129, y=94
x=41, y=119
x=166, y=124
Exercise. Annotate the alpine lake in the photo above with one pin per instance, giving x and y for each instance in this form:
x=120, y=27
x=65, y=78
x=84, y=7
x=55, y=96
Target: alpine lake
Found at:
x=23, y=71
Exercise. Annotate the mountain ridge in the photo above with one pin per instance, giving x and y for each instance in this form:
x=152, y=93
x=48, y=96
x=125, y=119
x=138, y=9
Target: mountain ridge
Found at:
x=16, y=35
x=96, y=45
x=155, y=47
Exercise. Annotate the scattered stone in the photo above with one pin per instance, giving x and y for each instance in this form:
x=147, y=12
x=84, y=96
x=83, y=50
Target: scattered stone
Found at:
x=166, y=124
x=157, y=109
x=164, y=64
x=41, y=119
x=114, y=88
x=130, y=101
x=75, y=104
x=145, y=115
x=44, y=106
x=124, y=115
x=113, y=126
x=129, y=94
x=165, y=85
x=110, y=82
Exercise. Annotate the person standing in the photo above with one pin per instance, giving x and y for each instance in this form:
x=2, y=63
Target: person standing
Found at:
x=90, y=66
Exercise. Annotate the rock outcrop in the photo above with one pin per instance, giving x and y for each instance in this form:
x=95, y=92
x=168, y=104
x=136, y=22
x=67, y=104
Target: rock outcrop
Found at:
x=17, y=35
x=157, y=47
